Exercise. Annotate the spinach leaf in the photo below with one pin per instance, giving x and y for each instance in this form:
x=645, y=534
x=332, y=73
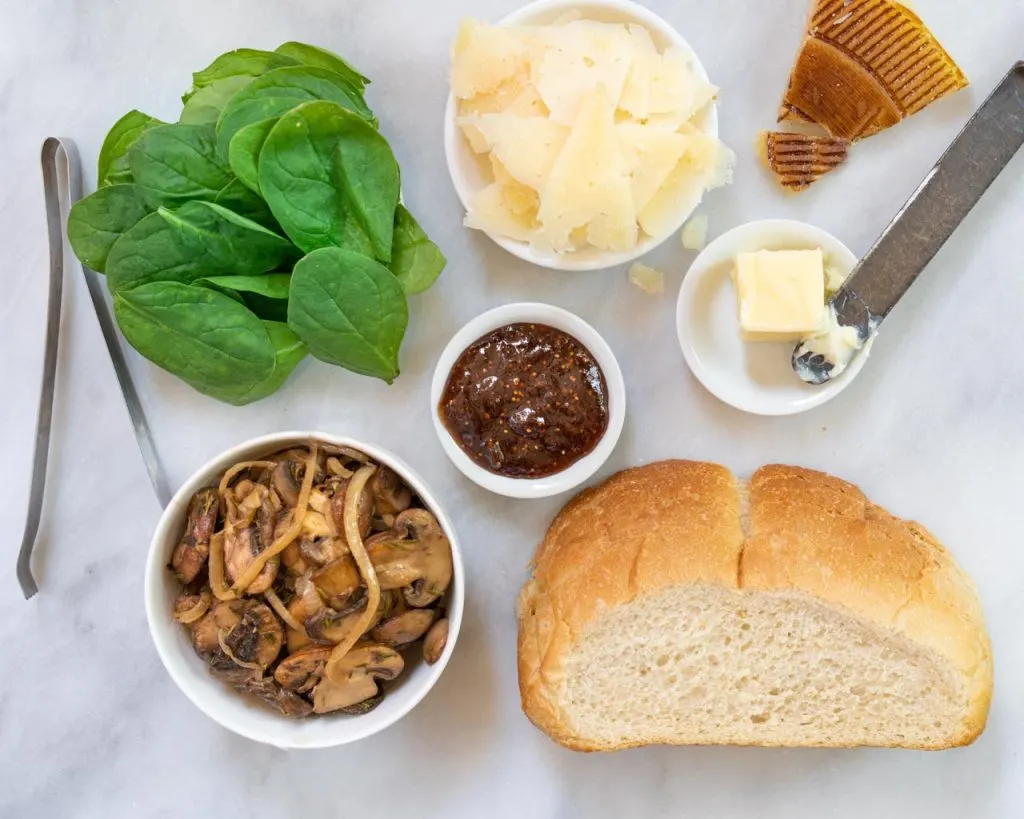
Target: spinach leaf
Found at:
x=244, y=151
x=415, y=260
x=207, y=103
x=271, y=285
x=100, y=219
x=331, y=179
x=281, y=90
x=322, y=58
x=242, y=62
x=209, y=341
x=178, y=163
x=350, y=311
x=238, y=198
x=288, y=352
x=113, y=163
x=199, y=239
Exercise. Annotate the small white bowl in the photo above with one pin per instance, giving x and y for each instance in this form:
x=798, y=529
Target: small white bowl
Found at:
x=567, y=322
x=468, y=172
x=235, y=711
x=755, y=377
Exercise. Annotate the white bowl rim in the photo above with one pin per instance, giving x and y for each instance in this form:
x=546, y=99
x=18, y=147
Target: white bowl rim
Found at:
x=597, y=260
x=162, y=627
x=560, y=319
x=801, y=232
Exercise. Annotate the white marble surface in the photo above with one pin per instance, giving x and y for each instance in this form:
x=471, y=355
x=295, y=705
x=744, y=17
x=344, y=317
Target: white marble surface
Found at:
x=91, y=726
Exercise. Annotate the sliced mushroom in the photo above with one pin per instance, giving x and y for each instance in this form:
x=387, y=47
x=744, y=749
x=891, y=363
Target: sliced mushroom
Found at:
x=437, y=639
x=204, y=635
x=415, y=556
x=338, y=581
x=320, y=551
x=296, y=671
x=404, y=628
x=287, y=479
x=242, y=546
x=364, y=707
x=390, y=494
x=357, y=674
x=365, y=509
x=190, y=607
x=266, y=689
x=258, y=637
x=193, y=549
x=331, y=627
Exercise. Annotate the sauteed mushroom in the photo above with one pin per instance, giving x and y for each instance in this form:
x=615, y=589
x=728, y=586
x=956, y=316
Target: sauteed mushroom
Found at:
x=190, y=556
x=359, y=671
x=283, y=612
x=437, y=638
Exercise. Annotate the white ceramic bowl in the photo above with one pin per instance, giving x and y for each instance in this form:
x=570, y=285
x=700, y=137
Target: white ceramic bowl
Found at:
x=756, y=377
x=562, y=320
x=236, y=712
x=469, y=173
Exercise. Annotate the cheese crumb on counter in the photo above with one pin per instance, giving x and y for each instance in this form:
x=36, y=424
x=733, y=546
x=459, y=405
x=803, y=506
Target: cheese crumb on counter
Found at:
x=695, y=233
x=651, y=281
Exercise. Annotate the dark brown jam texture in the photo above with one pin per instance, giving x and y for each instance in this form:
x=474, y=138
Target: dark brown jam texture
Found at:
x=526, y=401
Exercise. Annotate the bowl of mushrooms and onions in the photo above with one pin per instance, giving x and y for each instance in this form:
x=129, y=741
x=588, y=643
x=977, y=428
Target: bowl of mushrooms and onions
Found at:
x=304, y=590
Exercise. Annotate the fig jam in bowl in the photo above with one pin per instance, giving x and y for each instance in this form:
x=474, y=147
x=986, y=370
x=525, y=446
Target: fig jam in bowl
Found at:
x=528, y=400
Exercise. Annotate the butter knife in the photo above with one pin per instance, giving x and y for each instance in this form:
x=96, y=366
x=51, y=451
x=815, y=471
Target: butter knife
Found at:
x=964, y=172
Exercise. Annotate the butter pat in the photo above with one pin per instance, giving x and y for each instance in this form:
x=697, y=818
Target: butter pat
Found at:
x=781, y=291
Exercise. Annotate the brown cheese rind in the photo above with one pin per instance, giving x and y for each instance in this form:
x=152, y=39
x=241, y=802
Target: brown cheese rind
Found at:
x=682, y=522
x=864, y=66
x=799, y=160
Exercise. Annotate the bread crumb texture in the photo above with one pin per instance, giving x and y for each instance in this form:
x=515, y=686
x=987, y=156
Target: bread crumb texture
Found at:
x=677, y=605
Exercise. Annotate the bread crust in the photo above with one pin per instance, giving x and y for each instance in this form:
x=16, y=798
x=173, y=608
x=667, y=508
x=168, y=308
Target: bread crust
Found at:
x=681, y=522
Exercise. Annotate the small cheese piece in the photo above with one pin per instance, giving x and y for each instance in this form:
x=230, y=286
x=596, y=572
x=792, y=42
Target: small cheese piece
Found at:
x=651, y=281
x=695, y=233
x=589, y=185
x=577, y=58
x=490, y=211
x=526, y=146
x=484, y=58
x=780, y=291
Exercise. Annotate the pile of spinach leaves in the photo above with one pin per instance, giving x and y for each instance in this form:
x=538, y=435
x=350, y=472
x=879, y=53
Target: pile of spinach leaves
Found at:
x=264, y=225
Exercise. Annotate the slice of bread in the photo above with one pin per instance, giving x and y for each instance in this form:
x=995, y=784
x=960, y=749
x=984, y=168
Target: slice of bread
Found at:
x=677, y=605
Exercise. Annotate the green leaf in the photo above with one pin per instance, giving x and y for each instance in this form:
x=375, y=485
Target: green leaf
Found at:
x=322, y=58
x=178, y=163
x=100, y=219
x=349, y=310
x=271, y=285
x=415, y=260
x=238, y=198
x=244, y=151
x=208, y=102
x=289, y=350
x=278, y=91
x=243, y=62
x=199, y=239
x=113, y=163
x=209, y=341
x=331, y=179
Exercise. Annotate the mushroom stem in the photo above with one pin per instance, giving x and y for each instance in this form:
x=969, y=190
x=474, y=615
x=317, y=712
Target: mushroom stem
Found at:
x=282, y=611
x=289, y=535
x=355, y=544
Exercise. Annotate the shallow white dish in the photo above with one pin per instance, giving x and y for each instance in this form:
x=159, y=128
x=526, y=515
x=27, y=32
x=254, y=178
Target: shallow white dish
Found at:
x=467, y=170
x=236, y=712
x=756, y=377
x=567, y=322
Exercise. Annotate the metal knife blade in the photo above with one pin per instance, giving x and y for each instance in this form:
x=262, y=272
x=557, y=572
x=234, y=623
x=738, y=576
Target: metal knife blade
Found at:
x=951, y=189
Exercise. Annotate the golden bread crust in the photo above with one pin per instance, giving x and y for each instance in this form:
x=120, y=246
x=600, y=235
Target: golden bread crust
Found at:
x=681, y=522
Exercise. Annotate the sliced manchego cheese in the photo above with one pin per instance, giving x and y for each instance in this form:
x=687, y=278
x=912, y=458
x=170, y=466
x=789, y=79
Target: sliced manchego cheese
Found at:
x=635, y=96
x=526, y=146
x=490, y=211
x=649, y=155
x=672, y=83
x=484, y=58
x=589, y=185
x=574, y=59
x=470, y=127
x=521, y=199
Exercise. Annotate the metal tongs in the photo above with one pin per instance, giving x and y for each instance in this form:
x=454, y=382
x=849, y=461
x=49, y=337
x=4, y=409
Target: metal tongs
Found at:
x=62, y=186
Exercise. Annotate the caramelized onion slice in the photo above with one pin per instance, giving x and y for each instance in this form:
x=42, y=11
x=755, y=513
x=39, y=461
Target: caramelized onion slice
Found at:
x=282, y=611
x=218, y=585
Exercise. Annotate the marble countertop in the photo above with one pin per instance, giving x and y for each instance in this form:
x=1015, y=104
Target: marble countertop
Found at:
x=92, y=726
